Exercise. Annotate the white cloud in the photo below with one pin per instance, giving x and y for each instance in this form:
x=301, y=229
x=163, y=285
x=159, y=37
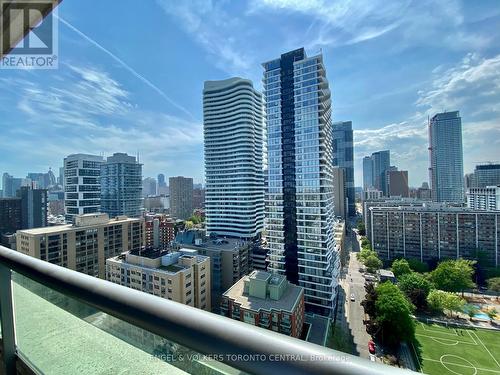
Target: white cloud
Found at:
x=473, y=87
x=89, y=111
x=219, y=33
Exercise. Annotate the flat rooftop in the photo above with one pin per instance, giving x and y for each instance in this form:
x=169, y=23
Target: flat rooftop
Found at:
x=285, y=303
x=225, y=244
x=65, y=227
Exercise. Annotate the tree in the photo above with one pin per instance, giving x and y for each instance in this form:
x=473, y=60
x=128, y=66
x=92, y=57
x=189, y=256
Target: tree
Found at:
x=471, y=312
x=435, y=300
x=453, y=275
x=365, y=243
x=453, y=303
x=439, y=300
x=494, y=284
x=416, y=287
x=418, y=266
x=365, y=253
x=370, y=299
x=361, y=228
x=400, y=267
x=393, y=311
x=373, y=263
x=492, y=313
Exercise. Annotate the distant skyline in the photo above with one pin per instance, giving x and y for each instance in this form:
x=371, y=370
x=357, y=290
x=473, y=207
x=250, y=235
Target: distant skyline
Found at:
x=134, y=83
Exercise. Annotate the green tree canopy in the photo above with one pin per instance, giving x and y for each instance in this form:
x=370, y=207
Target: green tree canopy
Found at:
x=453, y=275
x=361, y=228
x=400, y=267
x=373, y=263
x=416, y=287
x=365, y=253
x=370, y=299
x=494, y=284
x=393, y=312
x=418, y=266
x=439, y=300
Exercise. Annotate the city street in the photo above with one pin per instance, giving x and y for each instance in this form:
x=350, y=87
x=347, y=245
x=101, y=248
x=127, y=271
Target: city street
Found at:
x=352, y=313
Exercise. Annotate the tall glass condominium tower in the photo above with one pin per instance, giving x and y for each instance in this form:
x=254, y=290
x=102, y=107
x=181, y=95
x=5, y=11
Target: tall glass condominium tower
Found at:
x=233, y=113
x=446, y=170
x=121, y=186
x=343, y=156
x=299, y=210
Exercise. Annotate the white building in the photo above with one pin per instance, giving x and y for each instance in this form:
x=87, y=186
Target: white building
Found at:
x=233, y=114
x=82, y=189
x=487, y=198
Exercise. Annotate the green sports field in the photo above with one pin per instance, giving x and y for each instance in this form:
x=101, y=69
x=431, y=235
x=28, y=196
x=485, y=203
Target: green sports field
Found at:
x=457, y=351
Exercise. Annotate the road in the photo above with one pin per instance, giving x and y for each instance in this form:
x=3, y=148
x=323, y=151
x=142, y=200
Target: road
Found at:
x=352, y=282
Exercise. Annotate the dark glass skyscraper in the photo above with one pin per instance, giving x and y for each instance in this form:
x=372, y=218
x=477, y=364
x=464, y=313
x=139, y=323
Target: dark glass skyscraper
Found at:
x=343, y=156
x=299, y=210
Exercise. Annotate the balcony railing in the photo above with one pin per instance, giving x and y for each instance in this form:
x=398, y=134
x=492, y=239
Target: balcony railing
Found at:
x=57, y=320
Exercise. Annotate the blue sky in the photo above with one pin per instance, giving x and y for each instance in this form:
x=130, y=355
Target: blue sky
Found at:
x=130, y=77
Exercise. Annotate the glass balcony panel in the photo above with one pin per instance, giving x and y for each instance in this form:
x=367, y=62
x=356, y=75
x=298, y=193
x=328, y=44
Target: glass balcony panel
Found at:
x=58, y=335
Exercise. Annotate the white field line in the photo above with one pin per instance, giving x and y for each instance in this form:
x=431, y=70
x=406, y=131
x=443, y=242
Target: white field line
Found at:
x=456, y=364
x=487, y=349
x=452, y=340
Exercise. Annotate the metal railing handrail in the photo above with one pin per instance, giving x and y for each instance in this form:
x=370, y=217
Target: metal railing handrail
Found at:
x=240, y=345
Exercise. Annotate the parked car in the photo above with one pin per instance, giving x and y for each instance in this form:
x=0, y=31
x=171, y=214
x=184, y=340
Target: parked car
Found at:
x=371, y=347
x=352, y=297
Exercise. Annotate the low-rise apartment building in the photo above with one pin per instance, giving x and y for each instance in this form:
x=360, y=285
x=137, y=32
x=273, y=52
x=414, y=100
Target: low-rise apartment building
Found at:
x=487, y=198
x=159, y=230
x=266, y=300
x=85, y=245
x=182, y=276
x=435, y=232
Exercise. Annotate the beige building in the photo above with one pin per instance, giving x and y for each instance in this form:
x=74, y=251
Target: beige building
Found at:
x=182, y=276
x=266, y=300
x=85, y=245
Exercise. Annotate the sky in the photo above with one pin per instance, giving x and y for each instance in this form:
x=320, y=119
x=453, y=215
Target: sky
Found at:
x=130, y=77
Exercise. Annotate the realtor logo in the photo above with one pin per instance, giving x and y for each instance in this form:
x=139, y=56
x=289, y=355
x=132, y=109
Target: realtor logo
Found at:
x=39, y=48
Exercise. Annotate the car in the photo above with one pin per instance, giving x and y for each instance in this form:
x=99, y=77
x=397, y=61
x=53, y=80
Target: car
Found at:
x=371, y=347
x=352, y=297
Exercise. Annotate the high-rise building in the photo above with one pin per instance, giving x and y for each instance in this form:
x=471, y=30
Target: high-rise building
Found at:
x=367, y=173
x=85, y=245
x=121, y=186
x=149, y=187
x=162, y=185
x=339, y=192
x=10, y=215
x=60, y=179
x=434, y=231
x=81, y=185
x=484, y=175
x=199, y=198
x=10, y=185
x=381, y=162
x=299, y=210
x=182, y=276
x=267, y=301
x=397, y=184
x=446, y=169
x=487, y=198
x=233, y=116
x=181, y=197
x=33, y=207
x=343, y=156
